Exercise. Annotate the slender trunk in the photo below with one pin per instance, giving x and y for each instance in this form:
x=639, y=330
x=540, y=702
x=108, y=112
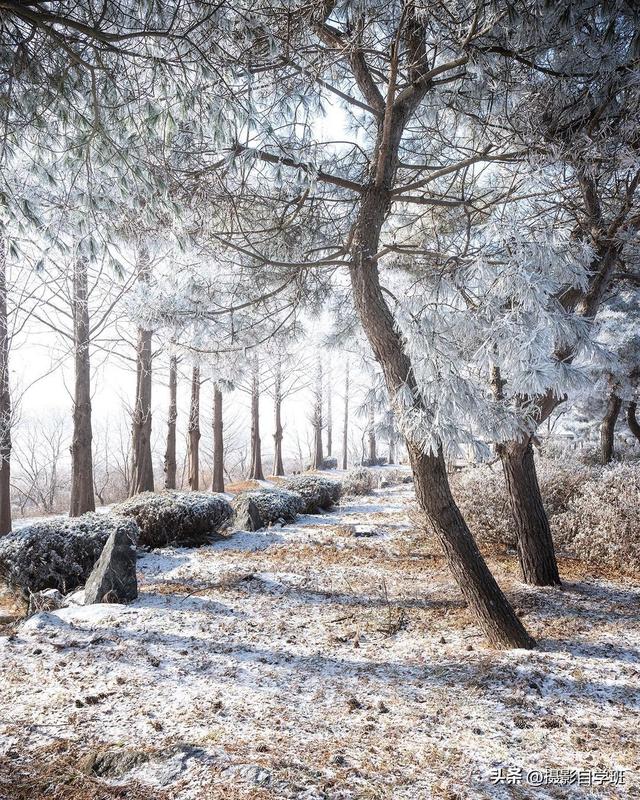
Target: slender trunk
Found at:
x=217, y=482
x=392, y=449
x=82, y=496
x=256, y=472
x=345, y=427
x=5, y=401
x=170, y=463
x=318, y=457
x=142, y=463
x=194, y=431
x=278, y=467
x=371, y=438
x=536, y=552
x=329, y=413
x=632, y=420
x=498, y=619
x=608, y=427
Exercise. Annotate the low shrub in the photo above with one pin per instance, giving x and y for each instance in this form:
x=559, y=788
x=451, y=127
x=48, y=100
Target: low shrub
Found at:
x=602, y=521
x=261, y=508
x=358, y=481
x=58, y=553
x=317, y=493
x=183, y=519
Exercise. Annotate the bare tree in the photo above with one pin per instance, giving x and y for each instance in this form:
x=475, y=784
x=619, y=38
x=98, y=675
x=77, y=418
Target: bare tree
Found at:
x=193, y=431
x=255, y=470
x=316, y=420
x=82, y=489
x=345, y=424
x=217, y=481
x=142, y=461
x=170, y=464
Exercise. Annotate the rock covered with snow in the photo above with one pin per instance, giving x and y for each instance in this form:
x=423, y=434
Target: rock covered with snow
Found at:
x=113, y=578
x=58, y=553
x=317, y=493
x=184, y=519
x=263, y=507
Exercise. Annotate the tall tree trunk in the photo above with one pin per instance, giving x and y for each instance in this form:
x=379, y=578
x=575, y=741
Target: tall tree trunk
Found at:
x=329, y=412
x=371, y=437
x=608, y=427
x=256, y=472
x=345, y=426
x=494, y=612
x=632, y=420
x=217, y=482
x=142, y=462
x=194, y=431
x=318, y=458
x=170, y=461
x=5, y=401
x=392, y=448
x=278, y=467
x=82, y=496
x=536, y=552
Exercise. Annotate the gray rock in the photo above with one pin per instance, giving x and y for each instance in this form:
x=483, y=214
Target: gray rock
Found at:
x=48, y=600
x=113, y=763
x=113, y=579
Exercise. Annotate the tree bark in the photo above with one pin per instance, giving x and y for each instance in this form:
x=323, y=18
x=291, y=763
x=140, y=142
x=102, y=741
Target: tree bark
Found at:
x=345, y=426
x=632, y=420
x=278, y=467
x=82, y=493
x=194, y=431
x=371, y=437
x=318, y=458
x=392, y=449
x=5, y=401
x=608, y=427
x=170, y=461
x=217, y=482
x=142, y=462
x=536, y=552
x=329, y=413
x=256, y=472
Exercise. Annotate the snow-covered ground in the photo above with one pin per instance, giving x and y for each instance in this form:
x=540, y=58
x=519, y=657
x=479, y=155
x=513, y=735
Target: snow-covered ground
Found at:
x=333, y=658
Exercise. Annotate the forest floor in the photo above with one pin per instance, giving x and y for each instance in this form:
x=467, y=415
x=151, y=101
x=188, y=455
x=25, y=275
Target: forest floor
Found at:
x=333, y=658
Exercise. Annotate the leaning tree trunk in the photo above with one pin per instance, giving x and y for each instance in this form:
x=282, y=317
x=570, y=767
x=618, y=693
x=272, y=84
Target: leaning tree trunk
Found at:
x=194, y=431
x=632, y=420
x=329, y=413
x=142, y=462
x=494, y=612
x=217, y=481
x=345, y=427
x=82, y=494
x=278, y=466
x=371, y=438
x=318, y=457
x=170, y=461
x=608, y=427
x=536, y=552
x=5, y=401
x=256, y=472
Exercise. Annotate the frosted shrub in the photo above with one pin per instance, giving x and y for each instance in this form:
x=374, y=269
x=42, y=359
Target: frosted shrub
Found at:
x=255, y=510
x=358, y=481
x=58, y=553
x=176, y=518
x=602, y=522
x=317, y=493
x=481, y=494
